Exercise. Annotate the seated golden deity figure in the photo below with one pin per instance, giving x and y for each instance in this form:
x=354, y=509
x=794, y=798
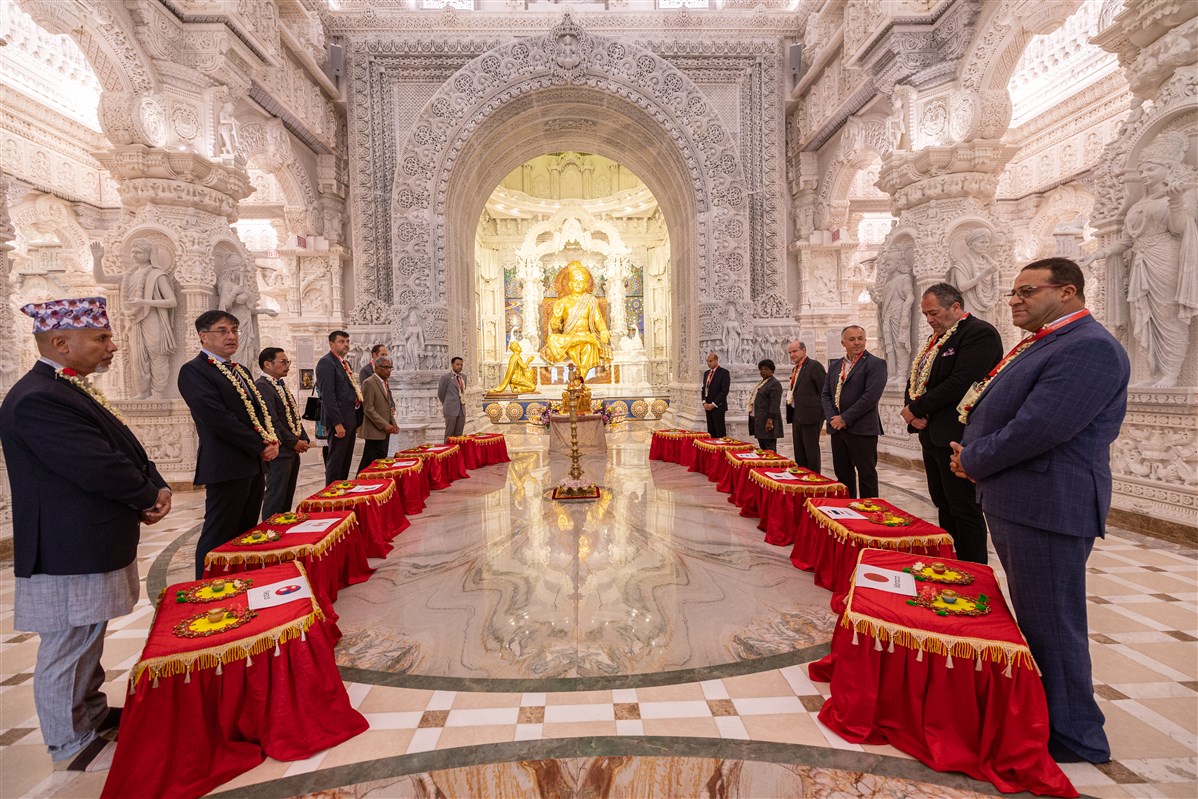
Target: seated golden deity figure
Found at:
x=576, y=388
x=577, y=330
x=519, y=377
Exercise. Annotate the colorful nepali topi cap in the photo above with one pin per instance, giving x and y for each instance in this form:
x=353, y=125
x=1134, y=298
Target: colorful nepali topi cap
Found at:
x=85, y=313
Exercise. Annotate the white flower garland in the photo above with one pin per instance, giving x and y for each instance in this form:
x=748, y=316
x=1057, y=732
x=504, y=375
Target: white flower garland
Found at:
x=87, y=388
x=264, y=427
x=921, y=367
x=289, y=412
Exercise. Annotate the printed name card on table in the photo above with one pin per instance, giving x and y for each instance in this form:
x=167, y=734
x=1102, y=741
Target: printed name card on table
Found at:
x=833, y=512
x=894, y=582
x=313, y=526
x=365, y=489
x=404, y=464
x=781, y=476
x=280, y=593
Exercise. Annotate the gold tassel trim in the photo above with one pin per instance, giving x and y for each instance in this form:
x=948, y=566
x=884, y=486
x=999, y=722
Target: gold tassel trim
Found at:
x=267, y=558
x=676, y=436
x=392, y=472
x=488, y=441
x=842, y=533
x=737, y=463
x=830, y=489
x=423, y=453
x=213, y=657
x=347, y=501
x=737, y=447
x=947, y=646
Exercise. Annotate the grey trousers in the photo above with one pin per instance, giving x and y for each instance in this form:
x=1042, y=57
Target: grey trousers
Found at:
x=454, y=425
x=66, y=688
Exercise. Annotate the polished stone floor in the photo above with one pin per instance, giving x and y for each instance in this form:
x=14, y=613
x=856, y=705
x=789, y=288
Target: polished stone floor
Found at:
x=650, y=644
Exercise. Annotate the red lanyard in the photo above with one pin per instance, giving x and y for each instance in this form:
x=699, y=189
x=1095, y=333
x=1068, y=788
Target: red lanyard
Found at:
x=1032, y=339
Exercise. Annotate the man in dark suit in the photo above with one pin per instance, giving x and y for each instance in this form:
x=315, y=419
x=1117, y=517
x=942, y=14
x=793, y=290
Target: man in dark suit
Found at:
x=81, y=486
x=804, y=407
x=1037, y=443
x=765, y=407
x=850, y=397
x=960, y=351
x=714, y=391
x=376, y=352
x=237, y=436
x=283, y=472
x=340, y=405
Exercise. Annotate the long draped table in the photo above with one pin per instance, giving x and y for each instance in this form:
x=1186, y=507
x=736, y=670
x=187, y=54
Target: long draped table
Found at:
x=828, y=546
x=410, y=476
x=960, y=693
x=709, y=454
x=482, y=449
x=735, y=471
x=673, y=445
x=202, y=710
x=376, y=503
x=333, y=558
x=592, y=434
x=779, y=497
x=442, y=461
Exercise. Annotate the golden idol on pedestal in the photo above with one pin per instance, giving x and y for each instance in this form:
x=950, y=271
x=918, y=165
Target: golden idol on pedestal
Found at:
x=577, y=330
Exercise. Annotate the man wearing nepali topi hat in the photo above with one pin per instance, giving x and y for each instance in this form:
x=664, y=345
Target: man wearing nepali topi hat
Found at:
x=81, y=487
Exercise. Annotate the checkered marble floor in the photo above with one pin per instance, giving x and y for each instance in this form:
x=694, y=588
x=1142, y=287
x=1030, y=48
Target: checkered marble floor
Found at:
x=1143, y=621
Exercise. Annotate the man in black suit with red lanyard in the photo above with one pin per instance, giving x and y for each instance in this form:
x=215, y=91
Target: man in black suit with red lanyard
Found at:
x=237, y=436
x=961, y=350
x=714, y=391
x=851, y=393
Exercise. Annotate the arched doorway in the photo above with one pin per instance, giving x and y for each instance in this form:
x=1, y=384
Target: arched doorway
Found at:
x=567, y=91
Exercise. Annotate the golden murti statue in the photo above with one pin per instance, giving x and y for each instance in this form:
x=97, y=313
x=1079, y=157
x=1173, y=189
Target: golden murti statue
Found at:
x=576, y=388
x=577, y=330
x=520, y=378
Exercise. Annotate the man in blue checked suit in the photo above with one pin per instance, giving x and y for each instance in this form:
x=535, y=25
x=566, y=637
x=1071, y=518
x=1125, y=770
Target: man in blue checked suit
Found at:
x=1037, y=443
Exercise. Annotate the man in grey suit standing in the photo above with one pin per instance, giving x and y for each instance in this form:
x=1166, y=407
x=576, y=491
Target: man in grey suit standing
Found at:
x=378, y=420
x=283, y=472
x=340, y=405
x=451, y=393
x=851, y=393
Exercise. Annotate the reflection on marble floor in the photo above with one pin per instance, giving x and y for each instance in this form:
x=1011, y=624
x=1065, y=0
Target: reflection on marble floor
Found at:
x=610, y=777
x=510, y=584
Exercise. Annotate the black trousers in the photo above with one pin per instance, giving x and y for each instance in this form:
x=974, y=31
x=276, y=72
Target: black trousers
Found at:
x=715, y=423
x=372, y=450
x=341, y=453
x=956, y=500
x=806, y=440
x=231, y=507
x=281, y=476
x=855, y=461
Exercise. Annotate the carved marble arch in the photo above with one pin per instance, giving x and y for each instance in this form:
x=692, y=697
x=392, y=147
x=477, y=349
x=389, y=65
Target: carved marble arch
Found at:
x=1060, y=207
x=104, y=32
x=567, y=90
x=267, y=146
x=981, y=108
x=865, y=139
x=533, y=246
x=44, y=214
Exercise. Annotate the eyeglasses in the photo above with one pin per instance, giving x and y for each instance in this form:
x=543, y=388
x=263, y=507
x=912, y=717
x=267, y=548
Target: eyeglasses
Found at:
x=223, y=331
x=1024, y=292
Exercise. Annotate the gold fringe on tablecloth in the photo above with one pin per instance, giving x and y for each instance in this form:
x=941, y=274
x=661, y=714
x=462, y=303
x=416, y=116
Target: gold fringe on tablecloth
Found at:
x=267, y=557
x=842, y=533
x=798, y=487
x=347, y=501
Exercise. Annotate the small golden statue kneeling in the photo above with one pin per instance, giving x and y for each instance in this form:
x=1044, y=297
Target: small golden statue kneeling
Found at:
x=577, y=388
x=520, y=378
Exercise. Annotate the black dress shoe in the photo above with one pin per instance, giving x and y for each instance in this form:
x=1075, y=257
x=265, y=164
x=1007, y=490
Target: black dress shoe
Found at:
x=1063, y=754
x=111, y=720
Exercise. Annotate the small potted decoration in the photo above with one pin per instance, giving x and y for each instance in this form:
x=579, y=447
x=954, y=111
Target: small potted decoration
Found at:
x=216, y=616
x=938, y=567
x=949, y=596
x=218, y=586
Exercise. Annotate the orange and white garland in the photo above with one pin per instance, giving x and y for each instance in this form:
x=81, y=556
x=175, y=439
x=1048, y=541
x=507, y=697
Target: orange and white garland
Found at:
x=921, y=367
x=353, y=380
x=72, y=377
x=264, y=427
x=846, y=369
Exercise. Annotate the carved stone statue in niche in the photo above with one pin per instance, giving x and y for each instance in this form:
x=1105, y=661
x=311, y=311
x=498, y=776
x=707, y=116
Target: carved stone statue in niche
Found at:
x=894, y=309
x=233, y=296
x=731, y=335
x=1162, y=283
x=973, y=269
x=413, y=344
x=227, y=130
x=146, y=302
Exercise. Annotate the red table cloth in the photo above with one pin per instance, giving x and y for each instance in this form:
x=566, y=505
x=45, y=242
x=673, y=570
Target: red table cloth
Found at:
x=200, y=711
x=671, y=444
x=735, y=470
x=333, y=559
x=960, y=693
x=482, y=449
x=379, y=510
x=781, y=501
x=443, y=462
x=709, y=454
x=829, y=546
x=410, y=476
